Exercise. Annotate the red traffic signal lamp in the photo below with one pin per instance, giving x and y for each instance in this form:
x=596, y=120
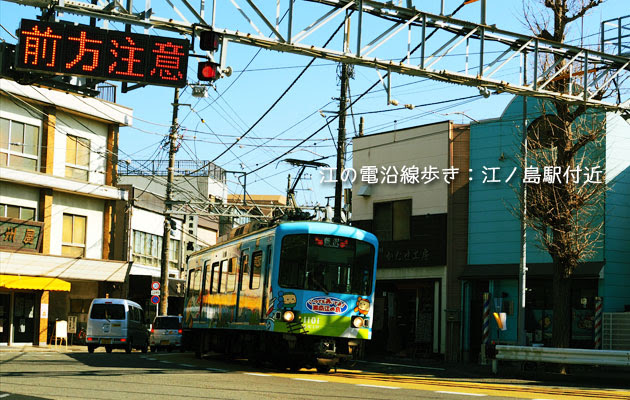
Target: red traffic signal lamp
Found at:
x=209, y=40
x=208, y=71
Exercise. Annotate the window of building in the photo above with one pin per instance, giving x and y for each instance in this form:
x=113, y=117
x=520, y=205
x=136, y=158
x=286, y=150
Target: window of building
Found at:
x=147, y=250
x=19, y=144
x=17, y=212
x=73, y=238
x=77, y=157
x=392, y=220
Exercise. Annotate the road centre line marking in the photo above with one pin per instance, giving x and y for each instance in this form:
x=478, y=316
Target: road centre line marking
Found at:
x=309, y=380
x=4, y=395
x=377, y=386
x=186, y=365
x=152, y=359
x=166, y=362
x=216, y=370
x=404, y=365
x=255, y=374
x=461, y=393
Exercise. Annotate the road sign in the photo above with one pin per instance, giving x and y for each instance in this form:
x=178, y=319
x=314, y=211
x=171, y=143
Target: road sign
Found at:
x=155, y=292
x=155, y=285
x=155, y=299
x=82, y=50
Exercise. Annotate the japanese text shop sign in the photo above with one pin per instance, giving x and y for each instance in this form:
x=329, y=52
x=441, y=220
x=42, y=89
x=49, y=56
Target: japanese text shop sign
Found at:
x=82, y=50
x=20, y=235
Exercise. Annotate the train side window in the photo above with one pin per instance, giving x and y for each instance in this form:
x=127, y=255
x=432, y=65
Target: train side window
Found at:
x=257, y=260
x=231, y=277
x=216, y=276
x=224, y=275
x=245, y=269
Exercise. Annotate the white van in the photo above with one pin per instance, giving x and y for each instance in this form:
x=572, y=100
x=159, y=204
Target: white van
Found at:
x=116, y=323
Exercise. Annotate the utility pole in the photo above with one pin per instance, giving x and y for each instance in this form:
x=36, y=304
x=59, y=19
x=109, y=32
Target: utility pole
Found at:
x=341, y=139
x=166, y=237
x=522, y=269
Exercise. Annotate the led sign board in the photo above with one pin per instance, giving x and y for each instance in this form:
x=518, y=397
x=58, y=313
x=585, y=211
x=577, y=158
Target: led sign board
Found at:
x=82, y=50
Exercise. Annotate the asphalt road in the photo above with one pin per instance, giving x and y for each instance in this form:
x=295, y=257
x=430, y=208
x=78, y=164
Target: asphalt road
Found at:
x=79, y=375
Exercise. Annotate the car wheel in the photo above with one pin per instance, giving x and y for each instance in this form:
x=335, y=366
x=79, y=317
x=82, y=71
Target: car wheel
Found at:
x=90, y=349
x=128, y=348
x=145, y=348
x=108, y=349
x=170, y=349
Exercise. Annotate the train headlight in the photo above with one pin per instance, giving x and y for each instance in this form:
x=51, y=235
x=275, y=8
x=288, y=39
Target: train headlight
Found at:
x=288, y=316
x=357, y=322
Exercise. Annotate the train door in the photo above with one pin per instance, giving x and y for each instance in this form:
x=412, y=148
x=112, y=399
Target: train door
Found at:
x=243, y=281
x=266, y=272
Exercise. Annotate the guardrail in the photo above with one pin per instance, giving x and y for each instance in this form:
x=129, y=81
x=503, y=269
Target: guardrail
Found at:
x=619, y=358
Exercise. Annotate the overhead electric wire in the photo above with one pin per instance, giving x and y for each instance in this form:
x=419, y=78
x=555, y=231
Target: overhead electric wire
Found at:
x=281, y=96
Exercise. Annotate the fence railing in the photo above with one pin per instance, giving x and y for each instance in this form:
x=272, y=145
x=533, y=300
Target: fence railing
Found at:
x=616, y=331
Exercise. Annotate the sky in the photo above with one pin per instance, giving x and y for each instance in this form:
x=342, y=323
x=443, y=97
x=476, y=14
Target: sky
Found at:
x=209, y=125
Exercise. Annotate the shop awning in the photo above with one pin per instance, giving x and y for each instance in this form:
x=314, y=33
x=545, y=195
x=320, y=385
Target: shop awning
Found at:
x=534, y=270
x=33, y=283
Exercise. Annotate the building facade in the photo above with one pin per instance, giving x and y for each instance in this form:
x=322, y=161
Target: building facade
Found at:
x=421, y=224
x=138, y=237
x=494, y=236
x=57, y=191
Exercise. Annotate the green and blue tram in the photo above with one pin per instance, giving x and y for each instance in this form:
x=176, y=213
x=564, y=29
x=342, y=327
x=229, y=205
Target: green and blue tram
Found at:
x=296, y=294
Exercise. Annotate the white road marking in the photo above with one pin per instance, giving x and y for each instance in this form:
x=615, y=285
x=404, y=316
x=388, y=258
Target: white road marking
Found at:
x=186, y=365
x=462, y=393
x=403, y=365
x=309, y=380
x=378, y=386
x=255, y=374
x=166, y=362
x=152, y=359
x=216, y=370
x=4, y=395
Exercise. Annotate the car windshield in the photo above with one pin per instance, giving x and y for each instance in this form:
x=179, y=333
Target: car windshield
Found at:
x=166, y=323
x=107, y=311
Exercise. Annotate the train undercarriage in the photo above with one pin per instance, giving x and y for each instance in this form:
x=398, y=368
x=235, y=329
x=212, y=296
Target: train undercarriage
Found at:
x=282, y=350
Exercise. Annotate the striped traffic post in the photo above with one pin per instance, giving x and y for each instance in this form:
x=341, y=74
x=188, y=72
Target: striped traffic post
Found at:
x=486, y=319
x=598, y=322
x=485, y=327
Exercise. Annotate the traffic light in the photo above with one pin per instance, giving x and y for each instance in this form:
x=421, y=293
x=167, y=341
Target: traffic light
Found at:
x=208, y=71
x=209, y=40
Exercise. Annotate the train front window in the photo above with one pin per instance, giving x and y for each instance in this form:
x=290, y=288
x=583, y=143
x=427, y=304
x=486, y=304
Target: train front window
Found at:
x=326, y=263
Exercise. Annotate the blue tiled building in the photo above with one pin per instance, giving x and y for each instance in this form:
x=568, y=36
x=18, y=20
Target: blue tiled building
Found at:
x=494, y=236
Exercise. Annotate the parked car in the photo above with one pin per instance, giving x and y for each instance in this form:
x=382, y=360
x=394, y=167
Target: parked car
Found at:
x=166, y=333
x=116, y=323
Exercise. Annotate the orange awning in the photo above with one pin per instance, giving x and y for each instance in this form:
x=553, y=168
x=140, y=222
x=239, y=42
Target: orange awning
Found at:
x=33, y=283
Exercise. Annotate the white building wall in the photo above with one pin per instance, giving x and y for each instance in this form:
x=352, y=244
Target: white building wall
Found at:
x=95, y=131
x=18, y=195
x=421, y=147
x=93, y=209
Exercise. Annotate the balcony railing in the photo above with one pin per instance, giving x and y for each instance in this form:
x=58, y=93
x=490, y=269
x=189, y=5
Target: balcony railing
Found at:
x=182, y=167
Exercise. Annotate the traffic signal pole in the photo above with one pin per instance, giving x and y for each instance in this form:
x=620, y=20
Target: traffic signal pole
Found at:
x=166, y=237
